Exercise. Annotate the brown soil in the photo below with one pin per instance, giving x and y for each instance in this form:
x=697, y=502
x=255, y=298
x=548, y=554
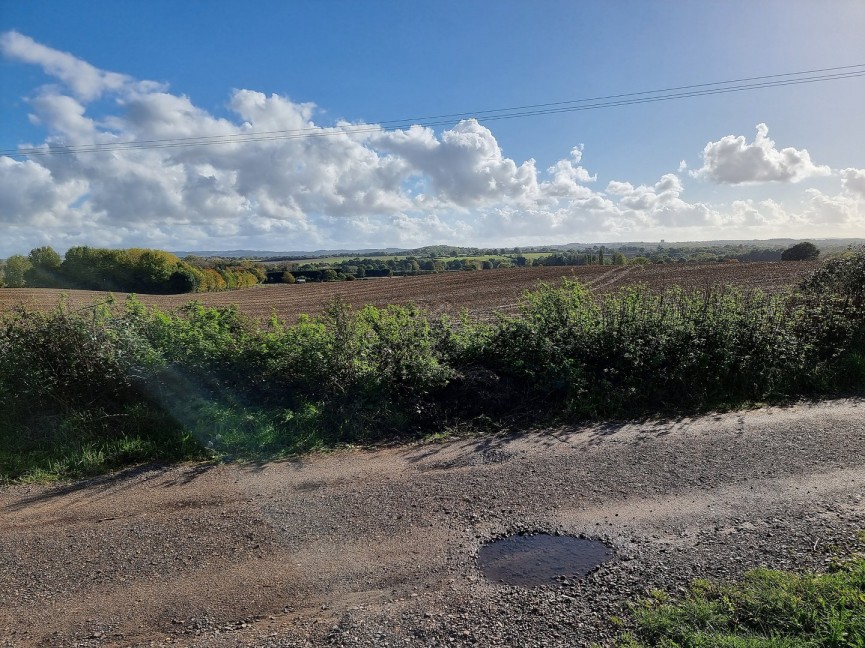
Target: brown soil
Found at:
x=378, y=548
x=480, y=292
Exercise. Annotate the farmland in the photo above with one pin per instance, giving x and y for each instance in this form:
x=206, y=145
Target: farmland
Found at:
x=482, y=293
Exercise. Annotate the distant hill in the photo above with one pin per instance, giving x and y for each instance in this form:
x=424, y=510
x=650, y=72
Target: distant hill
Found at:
x=825, y=244
x=300, y=254
x=775, y=242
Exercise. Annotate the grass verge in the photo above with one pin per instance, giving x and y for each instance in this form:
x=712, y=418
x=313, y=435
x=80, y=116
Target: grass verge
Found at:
x=766, y=609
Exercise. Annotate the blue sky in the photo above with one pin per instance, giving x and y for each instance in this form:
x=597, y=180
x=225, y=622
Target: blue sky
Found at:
x=784, y=161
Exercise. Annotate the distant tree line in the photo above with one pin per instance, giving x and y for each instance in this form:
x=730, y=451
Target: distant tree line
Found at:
x=131, y=270
x=428, y=262
x=156, y=271
x=601, y=256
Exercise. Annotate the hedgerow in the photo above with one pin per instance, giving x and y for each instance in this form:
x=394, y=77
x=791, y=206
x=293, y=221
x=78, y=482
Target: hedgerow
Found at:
x=88, y=390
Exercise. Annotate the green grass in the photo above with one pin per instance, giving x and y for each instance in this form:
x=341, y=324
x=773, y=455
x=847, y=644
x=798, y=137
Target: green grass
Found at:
x=766, y=609
x=71, y=459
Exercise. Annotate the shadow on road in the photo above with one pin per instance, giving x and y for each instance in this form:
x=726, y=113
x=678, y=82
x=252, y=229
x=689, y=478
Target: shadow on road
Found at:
x=117, y=481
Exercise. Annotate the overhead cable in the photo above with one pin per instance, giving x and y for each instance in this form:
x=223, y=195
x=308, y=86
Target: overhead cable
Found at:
x=495, y=114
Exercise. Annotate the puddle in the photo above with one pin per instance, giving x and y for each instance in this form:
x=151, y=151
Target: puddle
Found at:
x=540, y=559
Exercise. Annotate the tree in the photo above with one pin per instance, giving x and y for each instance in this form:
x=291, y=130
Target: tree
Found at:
x=45, y=257
x=288, y=278
x=44, y=267
x=152, y=269
x=804, y=251
x=184, y=280
x=16, y=271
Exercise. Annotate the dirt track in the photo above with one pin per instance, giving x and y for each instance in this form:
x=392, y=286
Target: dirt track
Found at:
x=378, y=548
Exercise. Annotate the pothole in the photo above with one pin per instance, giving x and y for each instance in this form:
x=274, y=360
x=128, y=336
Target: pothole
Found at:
x=540, y=559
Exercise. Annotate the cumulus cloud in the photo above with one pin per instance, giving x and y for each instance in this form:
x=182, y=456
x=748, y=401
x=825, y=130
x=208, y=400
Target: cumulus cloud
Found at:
x=733, y=160
x=250, y=183
x=660, y=204
x=465, y=165
x=268, y=175
x=831, y=210
x=29, y=188
x=644, y=198
x=568, y=177
x=853, y=181
x=84, y=80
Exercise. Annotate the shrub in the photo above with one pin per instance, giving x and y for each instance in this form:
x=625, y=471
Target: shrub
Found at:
x=804, y=251
x=74, y=392
x=843, y=275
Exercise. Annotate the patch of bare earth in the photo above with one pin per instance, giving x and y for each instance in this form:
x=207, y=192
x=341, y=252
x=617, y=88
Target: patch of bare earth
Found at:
x=375, y=548
x=479, y=292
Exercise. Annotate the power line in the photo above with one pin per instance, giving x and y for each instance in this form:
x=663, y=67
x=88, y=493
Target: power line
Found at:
x=516, y=112
x=644, y=92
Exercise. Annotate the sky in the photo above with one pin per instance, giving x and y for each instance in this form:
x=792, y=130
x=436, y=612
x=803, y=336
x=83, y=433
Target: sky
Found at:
x=305, y=125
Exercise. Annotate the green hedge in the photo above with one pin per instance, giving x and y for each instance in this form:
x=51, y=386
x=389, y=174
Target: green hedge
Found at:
x=119, y=384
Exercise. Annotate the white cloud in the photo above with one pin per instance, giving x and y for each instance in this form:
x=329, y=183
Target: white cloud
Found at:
x=347, y=185
x=465, y=166
x=27, y=188
x=853, y=180
x=759, y=214
x=841, y=209
x=568, y=177
x=732, y=160
x=85, y=81
x=643, y=197
x=661, y=204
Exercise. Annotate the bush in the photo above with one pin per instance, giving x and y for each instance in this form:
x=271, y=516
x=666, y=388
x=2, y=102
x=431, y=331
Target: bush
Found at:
x=74, y=393
x=804, y=251
x=843, y=275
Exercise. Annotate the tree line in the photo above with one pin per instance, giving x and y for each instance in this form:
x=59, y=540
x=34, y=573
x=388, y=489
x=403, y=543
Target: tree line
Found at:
x=130, y=270
x=156, y=271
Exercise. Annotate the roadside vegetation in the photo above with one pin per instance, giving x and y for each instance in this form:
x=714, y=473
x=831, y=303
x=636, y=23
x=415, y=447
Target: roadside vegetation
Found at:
x=84, y=391
x=767, y=609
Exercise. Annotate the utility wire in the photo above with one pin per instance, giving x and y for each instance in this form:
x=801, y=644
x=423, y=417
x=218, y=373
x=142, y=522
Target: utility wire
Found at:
x=644, y=92
x=532, y=110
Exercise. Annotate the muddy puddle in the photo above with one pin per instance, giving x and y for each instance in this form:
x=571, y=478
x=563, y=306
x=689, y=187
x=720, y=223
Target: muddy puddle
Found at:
x=540, y=559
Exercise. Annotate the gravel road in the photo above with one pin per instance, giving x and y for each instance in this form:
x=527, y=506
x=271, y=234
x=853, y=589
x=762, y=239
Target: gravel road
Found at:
x=378, y=548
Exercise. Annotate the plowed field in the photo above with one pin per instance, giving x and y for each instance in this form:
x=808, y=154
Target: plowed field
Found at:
x=481, y=293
